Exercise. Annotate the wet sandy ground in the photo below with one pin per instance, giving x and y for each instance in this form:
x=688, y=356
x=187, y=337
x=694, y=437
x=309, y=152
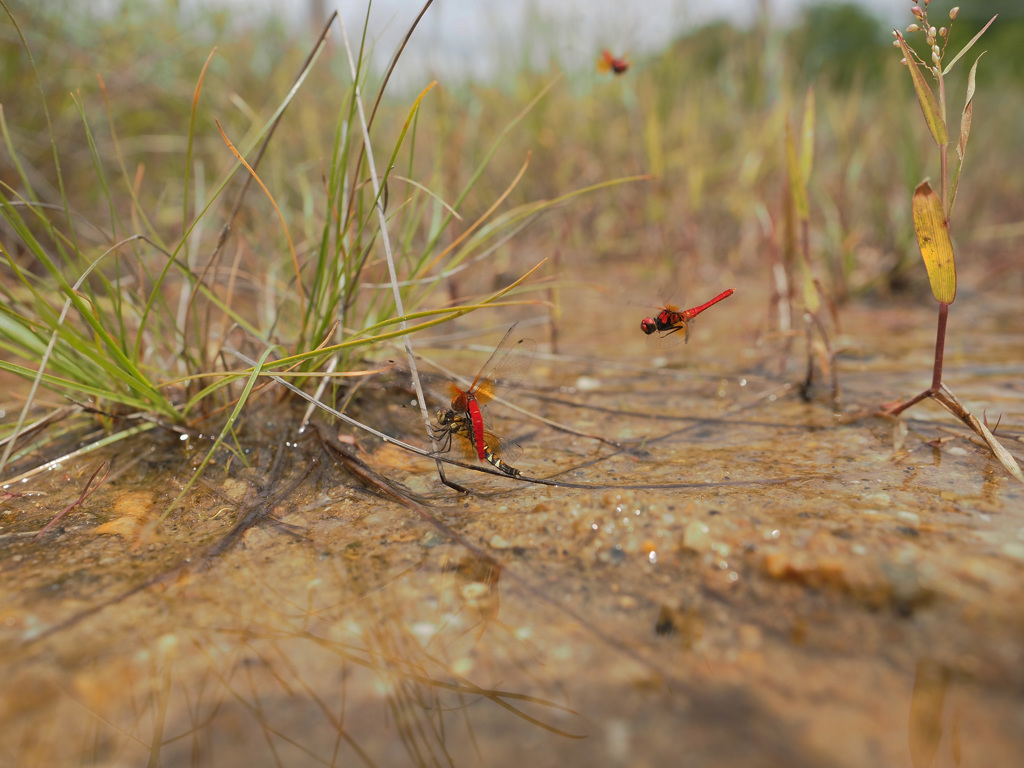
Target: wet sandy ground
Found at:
x=792, y=586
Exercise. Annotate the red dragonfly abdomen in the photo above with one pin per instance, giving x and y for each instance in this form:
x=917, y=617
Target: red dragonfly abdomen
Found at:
x=477, y=420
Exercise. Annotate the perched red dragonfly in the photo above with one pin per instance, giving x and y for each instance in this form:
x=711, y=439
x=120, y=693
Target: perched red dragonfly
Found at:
x=610, y=63
x=489, y=448
x=464, y=418
x=672, y=319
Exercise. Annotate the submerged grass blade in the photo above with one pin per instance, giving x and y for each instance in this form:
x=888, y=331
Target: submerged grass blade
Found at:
x=224, y=432
x=117, y=437
x=87, y=491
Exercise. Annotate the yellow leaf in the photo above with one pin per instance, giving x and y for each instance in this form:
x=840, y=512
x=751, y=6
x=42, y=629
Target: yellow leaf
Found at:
x=929, y=106
x=936, y=246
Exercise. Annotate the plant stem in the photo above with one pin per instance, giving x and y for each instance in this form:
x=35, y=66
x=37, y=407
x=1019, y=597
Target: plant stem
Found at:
x=944, y=151
x=936, y=387
x=940, y=346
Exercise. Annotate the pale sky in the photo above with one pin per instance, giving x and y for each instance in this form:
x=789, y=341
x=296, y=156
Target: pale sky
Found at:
x=460, y=35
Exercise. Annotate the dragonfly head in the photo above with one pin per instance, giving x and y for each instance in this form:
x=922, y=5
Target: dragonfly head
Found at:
x=648, y=325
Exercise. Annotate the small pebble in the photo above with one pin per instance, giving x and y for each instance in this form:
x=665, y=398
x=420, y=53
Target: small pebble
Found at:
x=750, y=636
x=910, y=517
x=1014, y=549
x=617, y=741
x=697, y=536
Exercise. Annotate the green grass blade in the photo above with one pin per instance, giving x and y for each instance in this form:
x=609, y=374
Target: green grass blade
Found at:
x=969, y=45
x=926, y=98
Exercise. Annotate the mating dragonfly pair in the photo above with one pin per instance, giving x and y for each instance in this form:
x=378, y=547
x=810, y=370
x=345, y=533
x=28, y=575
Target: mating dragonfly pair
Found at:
x=464, y=418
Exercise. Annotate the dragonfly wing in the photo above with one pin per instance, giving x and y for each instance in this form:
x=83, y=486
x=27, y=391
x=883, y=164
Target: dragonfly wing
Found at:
x=507, y=364
x=504, y=447
x=485, y=391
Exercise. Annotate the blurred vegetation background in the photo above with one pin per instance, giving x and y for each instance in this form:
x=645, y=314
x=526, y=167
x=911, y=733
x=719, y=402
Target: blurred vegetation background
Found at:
x=705, y=118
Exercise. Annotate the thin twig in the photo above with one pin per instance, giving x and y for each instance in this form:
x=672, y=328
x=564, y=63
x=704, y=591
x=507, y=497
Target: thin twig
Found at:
x=86, y=493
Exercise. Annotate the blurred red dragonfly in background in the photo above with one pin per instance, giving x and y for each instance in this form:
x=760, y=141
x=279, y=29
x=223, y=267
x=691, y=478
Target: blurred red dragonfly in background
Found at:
x=464, y=418
x=609, y=63
x=671, y=319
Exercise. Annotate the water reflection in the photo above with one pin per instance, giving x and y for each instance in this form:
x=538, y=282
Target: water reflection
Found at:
x=369, y=660
x=478, y=588
x=924, y=729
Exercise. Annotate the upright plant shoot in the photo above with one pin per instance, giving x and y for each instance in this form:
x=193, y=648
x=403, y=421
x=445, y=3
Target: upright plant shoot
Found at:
x=931, y=209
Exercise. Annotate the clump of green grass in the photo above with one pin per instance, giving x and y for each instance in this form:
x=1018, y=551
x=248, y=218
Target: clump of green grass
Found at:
x=271, y=230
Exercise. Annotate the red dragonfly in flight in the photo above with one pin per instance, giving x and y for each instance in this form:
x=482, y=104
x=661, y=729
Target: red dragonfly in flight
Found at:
x=671, y=319
x=610, y=63
x=464, y=418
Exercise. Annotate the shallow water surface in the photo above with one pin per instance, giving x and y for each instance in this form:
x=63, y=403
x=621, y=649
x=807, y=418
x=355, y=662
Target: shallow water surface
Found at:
x=748, y=580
